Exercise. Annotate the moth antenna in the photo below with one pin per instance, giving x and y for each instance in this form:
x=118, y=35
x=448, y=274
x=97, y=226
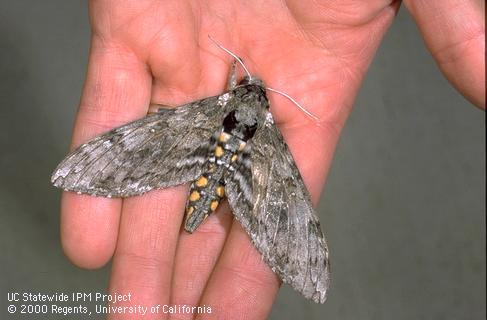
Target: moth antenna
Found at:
x=233, y=55
x=309, y=114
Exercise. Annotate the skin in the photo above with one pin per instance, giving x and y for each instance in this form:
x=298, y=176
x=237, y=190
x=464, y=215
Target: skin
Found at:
x=159, y=51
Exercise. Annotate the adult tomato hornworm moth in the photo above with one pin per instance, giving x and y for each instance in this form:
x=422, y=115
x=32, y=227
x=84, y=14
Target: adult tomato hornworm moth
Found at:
x=225, y=145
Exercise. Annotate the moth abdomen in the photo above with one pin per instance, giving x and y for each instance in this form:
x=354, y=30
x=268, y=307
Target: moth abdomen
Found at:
x=204, y=197
x=207, y=191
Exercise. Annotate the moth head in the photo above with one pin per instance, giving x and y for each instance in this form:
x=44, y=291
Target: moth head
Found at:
x=251, y=80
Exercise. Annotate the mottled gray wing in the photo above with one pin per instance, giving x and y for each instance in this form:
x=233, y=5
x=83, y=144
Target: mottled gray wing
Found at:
x=161, y=150
x=278, y=215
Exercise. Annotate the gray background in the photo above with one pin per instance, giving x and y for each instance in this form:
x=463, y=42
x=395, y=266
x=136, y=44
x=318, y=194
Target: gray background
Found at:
x=403, y=208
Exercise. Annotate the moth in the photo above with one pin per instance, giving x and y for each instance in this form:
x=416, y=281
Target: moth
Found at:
x=226, y=146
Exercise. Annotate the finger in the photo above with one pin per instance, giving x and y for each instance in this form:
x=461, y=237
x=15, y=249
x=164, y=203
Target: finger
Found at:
x=196, y=257
x=144, y=258
x=454, y=31
x=242, y=286
x=117, y=90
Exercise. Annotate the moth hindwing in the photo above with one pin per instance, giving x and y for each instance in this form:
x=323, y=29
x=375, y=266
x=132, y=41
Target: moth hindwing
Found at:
x=227, y=145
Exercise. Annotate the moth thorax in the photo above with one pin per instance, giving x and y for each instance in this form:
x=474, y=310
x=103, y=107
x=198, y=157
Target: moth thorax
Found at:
x=241, y=124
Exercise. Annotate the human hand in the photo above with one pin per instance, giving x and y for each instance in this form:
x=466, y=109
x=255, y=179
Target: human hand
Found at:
x=158, y=51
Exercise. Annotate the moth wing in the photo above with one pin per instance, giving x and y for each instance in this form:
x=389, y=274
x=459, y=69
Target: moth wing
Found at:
x=163, y=149
x=278, y=215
